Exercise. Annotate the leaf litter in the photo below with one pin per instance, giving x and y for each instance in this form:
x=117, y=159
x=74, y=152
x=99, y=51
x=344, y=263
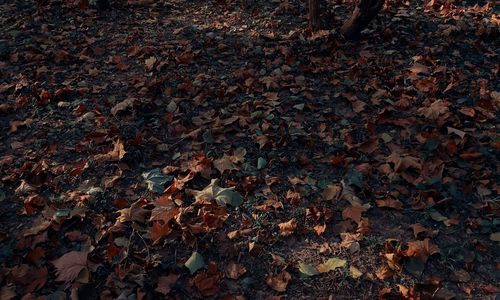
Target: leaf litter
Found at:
x=217, y=149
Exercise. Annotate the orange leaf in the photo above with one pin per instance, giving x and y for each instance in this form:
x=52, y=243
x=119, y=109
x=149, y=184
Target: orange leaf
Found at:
x=159, y=230
x=422, y=249
x=287, y=228
x=206, y=283
x=354, y=212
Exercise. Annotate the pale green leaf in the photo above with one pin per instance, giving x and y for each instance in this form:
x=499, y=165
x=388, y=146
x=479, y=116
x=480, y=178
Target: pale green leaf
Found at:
x=195, y=262
x=307, y=269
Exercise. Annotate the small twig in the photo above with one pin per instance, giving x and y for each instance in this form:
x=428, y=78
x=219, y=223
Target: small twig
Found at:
x=130, y=241
x=145, y=244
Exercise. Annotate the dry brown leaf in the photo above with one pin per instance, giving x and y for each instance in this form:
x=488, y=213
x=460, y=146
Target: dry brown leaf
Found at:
x=435, y=110
x=422, y=249
x=418, y=228
x=207, y=283
x=332, y=191
x=116, y=154
x=122, y=106
x=165, y=283
x=70, y=265
x=159, y=230
x=287, y=228
x=354, y=212
x=390, y=203
x=234, y=270
x=279, y=282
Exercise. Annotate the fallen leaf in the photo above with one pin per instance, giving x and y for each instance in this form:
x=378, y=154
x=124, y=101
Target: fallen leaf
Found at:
x=435, y=110
x=460, y=276
x=331, y=264
x=354, y=212
x=165, y=283
x=195, y=262
x=332, y=191
x=287, y=228
x=156, y=180
x=234, y=270
x=70, y=265
x=355, y=272
x=122, y=106
x=279, y=282
x=116, y=154
x=222, y=196
x=150, y=63
x=390, y=203
x=307, y=269
x=417, y=229
x=207, y=283
x=495, y=236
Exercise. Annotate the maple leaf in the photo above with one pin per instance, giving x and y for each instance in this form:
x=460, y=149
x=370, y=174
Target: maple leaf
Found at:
x=354, y=212
x=116, y=154
x=69, y=266
x=435, y=110
x=234, y=270
x=228, y=162
x=135, y=212
x=222, y=196
x=422, y=249
x=207, y=283
x=287, y=228
x=165, y=209
x=159, y=230
x=279, y=282
x=224, y=163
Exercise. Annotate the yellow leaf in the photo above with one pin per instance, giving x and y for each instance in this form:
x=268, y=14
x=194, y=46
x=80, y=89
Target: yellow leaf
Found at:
x=330, y=265
x=355, y=272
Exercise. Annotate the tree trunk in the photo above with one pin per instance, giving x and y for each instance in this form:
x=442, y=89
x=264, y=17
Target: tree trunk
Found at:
x=317, y=11
x=364, y=12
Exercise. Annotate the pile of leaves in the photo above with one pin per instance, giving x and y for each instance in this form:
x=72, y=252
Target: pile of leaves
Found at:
x=190, y=149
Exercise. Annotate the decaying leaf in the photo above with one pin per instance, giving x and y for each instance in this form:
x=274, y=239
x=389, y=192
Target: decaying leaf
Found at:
x=70, y=265
x=222, y=196
x=331, y=264
x=287, y=228
x=279, y=282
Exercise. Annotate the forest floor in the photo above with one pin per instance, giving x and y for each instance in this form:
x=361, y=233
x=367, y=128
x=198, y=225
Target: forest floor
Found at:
x=191, y=149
